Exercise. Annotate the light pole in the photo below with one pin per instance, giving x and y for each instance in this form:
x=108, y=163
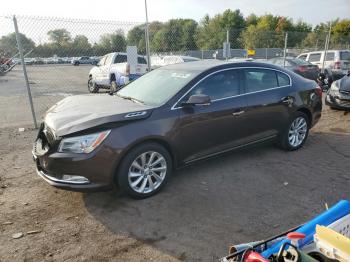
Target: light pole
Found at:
x=147, y=39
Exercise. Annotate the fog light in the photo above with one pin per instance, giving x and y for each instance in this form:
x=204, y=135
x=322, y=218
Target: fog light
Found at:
x=75, y=179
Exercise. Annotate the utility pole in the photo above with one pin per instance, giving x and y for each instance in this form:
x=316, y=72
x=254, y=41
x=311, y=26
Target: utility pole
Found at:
x=326, y=46
x=147, y=39
x=285, y=50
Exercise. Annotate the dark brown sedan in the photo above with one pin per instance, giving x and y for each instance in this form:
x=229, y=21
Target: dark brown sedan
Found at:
x=170, y=117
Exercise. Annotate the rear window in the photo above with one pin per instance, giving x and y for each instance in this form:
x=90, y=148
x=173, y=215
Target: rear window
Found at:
x=120, y=59
x=315, y=57
x=330, y=56
x=141, y=60
x=345, y=55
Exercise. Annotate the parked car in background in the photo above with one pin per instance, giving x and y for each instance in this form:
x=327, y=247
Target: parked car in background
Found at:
x=83, y=60
x=114, y=71
x=299, y=66
x=176, y=59
x=171, y=117
x=337, y=62
x=338, y=95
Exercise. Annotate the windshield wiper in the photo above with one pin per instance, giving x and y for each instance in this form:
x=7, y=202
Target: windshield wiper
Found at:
x=135, y=100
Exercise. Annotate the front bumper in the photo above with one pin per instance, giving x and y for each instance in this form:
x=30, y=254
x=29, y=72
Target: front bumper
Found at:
x=72, y=186
x=337, y=102
x=77, y=172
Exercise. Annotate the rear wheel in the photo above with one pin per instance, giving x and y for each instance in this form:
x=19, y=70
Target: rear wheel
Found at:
x=93, y=88
x=144, y=170
x=297, y=132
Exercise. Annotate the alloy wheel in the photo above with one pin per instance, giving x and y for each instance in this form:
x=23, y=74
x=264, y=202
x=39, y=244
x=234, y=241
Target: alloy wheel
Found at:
x=147, y=172
x=297, y=132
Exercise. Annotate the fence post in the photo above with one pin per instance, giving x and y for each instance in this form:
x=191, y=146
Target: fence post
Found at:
x=147, y=39
x=326, y=46
x=285, y=49
x=20, y=49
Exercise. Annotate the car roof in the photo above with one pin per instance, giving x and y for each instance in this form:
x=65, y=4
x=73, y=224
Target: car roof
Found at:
x=204, y=65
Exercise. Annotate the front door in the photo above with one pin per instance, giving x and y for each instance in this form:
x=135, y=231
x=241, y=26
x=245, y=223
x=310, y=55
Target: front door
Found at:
x=210, y=129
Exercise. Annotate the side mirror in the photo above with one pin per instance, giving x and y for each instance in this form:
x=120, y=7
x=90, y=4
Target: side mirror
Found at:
x=197, y=100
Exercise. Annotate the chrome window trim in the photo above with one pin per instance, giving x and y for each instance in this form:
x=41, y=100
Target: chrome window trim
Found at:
x=174, y=107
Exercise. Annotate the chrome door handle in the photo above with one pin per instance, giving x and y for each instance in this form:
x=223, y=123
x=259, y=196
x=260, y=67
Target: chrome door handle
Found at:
x=238, y=113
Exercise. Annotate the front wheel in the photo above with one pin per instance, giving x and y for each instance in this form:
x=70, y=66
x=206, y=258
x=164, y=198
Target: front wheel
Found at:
x=144, y=170
x=92, y=87
x=296, y=133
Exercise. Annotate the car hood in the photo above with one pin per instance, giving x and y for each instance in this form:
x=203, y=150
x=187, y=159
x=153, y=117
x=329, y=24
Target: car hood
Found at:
x=77, y=113
x=344, y=83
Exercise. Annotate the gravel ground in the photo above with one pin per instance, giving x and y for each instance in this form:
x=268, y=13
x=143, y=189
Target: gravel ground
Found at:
x=240, y=197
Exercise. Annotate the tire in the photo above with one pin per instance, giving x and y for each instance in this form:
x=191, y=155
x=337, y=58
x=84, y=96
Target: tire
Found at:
x=286, y=138
x=114, y=87
x=133, y=178
x=76, y=63
x=92, y=87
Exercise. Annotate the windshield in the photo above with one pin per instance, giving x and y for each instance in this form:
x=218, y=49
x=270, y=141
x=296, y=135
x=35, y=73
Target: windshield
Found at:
x=157, y=87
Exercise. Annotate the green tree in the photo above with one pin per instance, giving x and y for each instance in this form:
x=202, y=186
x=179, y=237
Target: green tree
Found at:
x=108, y=43
x=60, y=37
x=81, y=46
x=8, y=44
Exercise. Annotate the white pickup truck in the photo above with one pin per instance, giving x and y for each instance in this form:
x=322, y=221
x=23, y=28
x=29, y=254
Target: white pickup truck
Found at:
x=113, y=71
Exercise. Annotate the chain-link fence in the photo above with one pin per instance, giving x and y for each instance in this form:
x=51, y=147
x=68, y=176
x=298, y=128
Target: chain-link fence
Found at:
x=58, y=54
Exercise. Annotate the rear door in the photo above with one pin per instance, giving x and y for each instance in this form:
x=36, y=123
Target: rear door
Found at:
x=268, y=98
x=210, y=129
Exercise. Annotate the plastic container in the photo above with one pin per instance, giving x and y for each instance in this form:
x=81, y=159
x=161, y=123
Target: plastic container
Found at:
x=332, y=244
x=342, y=226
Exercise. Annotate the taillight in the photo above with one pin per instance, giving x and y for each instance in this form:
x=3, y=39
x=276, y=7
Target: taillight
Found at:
x=127, y=72
x=302, y=69
x=337, y=65
x=318, y=91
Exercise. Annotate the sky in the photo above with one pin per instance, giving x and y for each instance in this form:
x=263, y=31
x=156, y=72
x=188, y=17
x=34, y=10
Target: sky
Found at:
x=311, y=11
x=37, y=17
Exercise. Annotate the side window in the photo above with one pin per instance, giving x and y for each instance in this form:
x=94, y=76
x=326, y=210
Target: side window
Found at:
x=330, y=56
x=259, y=79
x=315, y=57
x=141, y=60
x=120, y=59
x=219, y=85
x=283, y=79
x=302, y=57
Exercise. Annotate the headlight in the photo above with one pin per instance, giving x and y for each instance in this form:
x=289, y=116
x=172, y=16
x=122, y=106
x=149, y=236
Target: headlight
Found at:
x=82, y=144
x=335, y=86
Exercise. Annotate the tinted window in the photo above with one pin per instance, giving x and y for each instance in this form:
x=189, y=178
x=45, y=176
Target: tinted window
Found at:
x=141, y=60
x=283, y=79
x=330, y=56
x=259, y=79
x=219, y=85
x=315, y=57
x=345, y=55
x=120, y=59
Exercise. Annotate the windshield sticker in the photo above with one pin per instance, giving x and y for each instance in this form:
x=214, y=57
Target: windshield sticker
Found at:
x=180, y=75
